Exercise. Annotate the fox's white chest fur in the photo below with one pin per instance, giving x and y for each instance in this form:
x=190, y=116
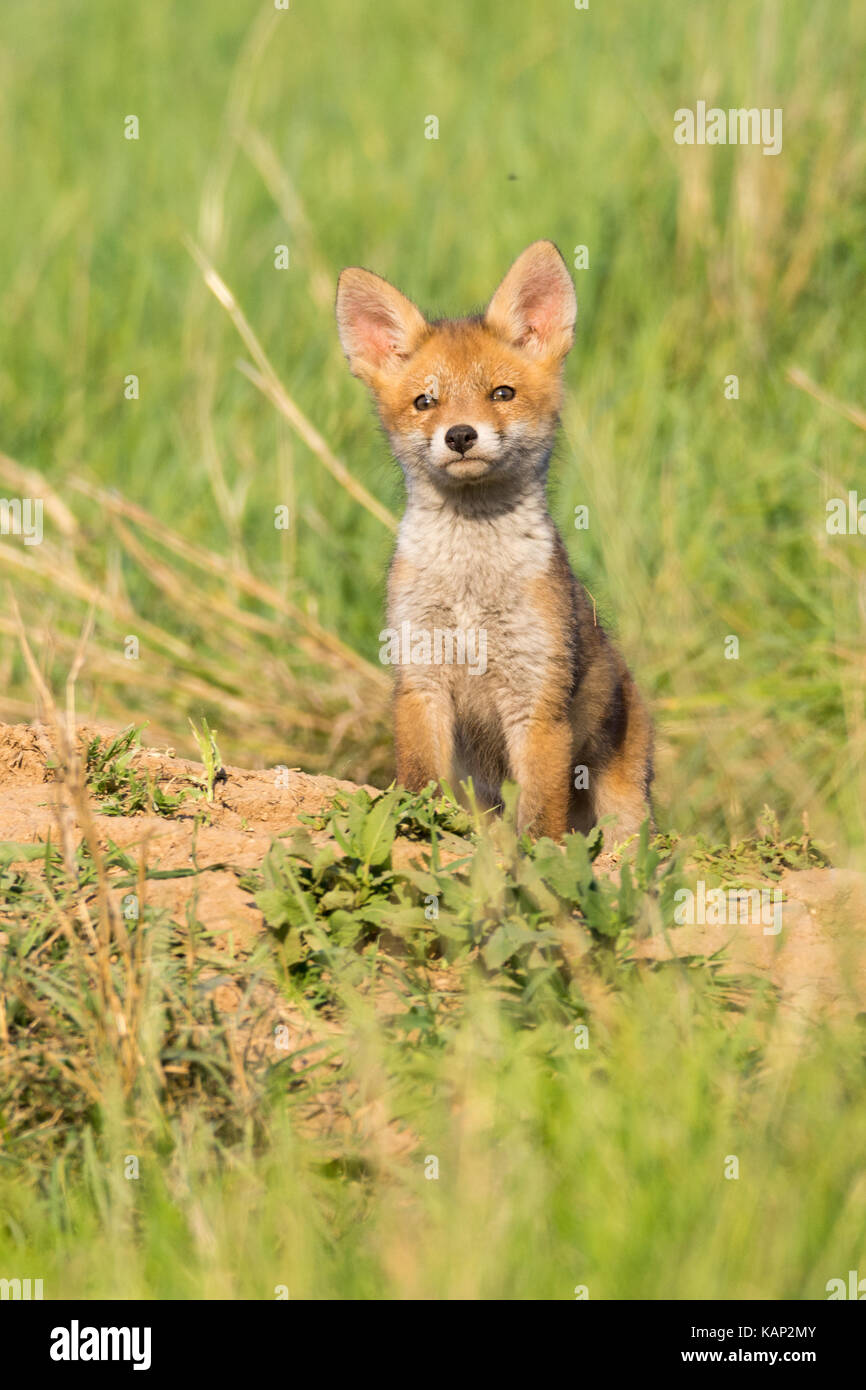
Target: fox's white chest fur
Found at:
x=469, y=570
x=475, y=576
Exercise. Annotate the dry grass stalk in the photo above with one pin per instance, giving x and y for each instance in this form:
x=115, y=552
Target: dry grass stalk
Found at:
x=267, y=381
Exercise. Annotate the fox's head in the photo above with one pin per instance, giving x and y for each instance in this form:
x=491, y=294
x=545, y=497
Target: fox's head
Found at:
x=465, y=401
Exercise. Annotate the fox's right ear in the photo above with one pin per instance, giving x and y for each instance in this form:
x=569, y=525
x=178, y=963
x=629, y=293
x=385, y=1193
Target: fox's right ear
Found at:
x=378, y=326
x=535, y=307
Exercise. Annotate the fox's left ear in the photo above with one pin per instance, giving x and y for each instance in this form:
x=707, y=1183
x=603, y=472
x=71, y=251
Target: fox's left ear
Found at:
x=535, y=307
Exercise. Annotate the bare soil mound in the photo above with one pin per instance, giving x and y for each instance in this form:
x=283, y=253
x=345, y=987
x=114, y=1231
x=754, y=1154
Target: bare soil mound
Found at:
x=248, y=810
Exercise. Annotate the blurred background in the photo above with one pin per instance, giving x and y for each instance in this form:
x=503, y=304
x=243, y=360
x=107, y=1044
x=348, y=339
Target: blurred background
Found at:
x=157, y=259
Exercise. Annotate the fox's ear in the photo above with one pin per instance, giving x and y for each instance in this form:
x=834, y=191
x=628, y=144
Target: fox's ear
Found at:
x=378, y=326
x=535, y=307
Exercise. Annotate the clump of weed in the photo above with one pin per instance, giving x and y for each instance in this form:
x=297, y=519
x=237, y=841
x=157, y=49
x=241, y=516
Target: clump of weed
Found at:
x=416, y=815
x=114, y=781
x=764, y=854
x=523, y=911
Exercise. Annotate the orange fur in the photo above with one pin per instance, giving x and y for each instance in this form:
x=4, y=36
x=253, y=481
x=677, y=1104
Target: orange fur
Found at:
x=471, y=409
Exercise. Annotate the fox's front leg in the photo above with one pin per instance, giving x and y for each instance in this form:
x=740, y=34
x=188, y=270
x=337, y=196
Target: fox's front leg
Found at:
x=424, y=735
x=540, y=757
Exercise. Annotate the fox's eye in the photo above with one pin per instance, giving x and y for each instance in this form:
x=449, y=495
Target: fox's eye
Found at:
x=503, y=393
x=424, y=402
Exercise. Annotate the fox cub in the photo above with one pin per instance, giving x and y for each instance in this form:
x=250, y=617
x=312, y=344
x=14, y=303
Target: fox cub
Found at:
x=471, y=409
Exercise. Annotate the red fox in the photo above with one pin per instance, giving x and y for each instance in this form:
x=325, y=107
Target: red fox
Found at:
x=471, y=409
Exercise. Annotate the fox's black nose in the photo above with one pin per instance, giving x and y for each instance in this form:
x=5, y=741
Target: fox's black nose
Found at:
x=460, y=438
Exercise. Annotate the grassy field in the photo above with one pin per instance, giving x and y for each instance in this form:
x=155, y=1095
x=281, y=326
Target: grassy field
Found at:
x=155, y=258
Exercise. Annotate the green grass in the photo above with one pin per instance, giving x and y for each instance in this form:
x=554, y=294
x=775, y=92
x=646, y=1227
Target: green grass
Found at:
x=558, y=1167
x=488, y=1101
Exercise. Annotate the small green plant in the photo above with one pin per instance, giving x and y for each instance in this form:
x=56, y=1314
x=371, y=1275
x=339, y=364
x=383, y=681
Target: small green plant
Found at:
x=764, y=854
x=416, y=814
x=116, y=784
x=524, y=911
x=214, y=771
